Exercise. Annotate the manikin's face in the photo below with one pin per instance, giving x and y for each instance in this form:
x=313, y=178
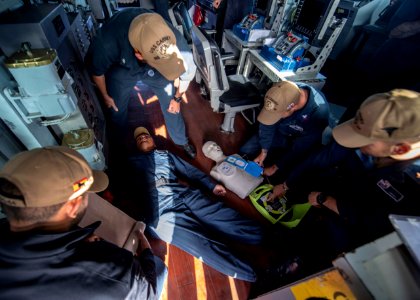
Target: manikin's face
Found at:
x=213, y=151
x=145, y=142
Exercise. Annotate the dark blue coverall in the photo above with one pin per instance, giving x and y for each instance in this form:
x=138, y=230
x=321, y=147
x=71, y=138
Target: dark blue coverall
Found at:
x=185, y=217
x=296, y=135
x=366, y=192
x=64, y=265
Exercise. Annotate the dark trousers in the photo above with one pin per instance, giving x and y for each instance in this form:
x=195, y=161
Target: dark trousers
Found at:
x=195, y=223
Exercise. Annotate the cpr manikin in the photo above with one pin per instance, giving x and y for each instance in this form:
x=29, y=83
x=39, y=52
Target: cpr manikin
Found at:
x=233, y=177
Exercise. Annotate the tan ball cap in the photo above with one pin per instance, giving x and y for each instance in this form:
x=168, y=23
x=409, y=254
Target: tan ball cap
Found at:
x=50, y=175
x=277, y=101
x=392, y=116
x=156, y=42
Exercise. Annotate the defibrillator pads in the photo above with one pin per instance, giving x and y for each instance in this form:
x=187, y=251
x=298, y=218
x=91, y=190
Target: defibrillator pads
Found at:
x=277, y=210
x=248, y=166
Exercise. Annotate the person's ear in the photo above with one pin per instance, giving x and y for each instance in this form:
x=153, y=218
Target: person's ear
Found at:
x=72, y=207
x=400, y=149
x=138, y=55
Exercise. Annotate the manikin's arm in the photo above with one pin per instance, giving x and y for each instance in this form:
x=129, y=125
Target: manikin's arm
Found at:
x=192, y=173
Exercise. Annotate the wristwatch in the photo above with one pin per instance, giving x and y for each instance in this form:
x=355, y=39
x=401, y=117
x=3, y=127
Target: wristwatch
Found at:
x=178, y=99
x=321, y=198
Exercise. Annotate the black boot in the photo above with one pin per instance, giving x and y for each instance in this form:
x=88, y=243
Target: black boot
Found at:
x=190, y=150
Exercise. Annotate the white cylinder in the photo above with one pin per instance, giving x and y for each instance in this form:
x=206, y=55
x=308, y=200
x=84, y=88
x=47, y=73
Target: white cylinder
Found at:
x=36, y=71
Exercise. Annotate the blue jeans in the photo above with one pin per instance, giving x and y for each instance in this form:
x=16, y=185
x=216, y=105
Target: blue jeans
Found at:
x=120, y=86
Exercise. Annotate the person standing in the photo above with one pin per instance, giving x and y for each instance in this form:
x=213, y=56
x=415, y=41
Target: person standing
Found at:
x=136, y=45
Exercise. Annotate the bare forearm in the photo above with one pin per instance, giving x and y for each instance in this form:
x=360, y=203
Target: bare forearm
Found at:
x=181, y=87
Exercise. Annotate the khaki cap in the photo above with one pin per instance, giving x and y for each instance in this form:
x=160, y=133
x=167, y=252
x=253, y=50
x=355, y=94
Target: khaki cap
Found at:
x=156, y=42
x=277, y=100
x=392, y=116
x=50, y=175
x=140, y=130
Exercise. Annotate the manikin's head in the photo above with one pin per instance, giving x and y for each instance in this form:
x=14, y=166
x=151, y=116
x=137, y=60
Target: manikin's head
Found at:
x=213, y=151
x=144, y=140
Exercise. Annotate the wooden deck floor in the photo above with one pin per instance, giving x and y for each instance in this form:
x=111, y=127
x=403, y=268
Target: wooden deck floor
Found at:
x=189, y=278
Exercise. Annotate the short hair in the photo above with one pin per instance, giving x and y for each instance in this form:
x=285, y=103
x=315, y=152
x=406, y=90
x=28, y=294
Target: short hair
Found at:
x=27, y=214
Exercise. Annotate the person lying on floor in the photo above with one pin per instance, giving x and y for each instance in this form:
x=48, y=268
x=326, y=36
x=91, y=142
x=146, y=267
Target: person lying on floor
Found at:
x=184, y=215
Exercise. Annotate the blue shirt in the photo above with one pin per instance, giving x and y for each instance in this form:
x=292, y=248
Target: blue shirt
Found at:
x=63, y=265
x=300, y=131
x=111, y=48
x=157, y=173
x=366, y=192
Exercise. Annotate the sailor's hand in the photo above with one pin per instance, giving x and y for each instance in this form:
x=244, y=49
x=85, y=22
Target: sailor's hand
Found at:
x=312, y=199
x=143, y=242
x=216, y=3
x=219, y=190
x=93, y=238
x=174, y=107
x=110, y=103
x=405, y=30
x=278, y=191
x=260, y=158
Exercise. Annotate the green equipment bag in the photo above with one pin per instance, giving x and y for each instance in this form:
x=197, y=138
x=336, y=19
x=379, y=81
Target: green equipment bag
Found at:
x=277, y=210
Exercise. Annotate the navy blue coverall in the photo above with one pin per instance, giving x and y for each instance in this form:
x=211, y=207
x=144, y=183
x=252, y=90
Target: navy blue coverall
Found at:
x=296, y=135
x=366, y=192
x=185, y=217
x=64, y=265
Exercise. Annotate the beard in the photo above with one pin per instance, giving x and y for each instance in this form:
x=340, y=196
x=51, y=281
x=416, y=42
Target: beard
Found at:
x=78, y=217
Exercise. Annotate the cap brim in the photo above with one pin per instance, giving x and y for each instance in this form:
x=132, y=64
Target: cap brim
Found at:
x=100, y=181
x=268, y=118
x=170, y=68
x=345, y=135
x=140, y=130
